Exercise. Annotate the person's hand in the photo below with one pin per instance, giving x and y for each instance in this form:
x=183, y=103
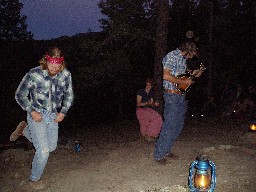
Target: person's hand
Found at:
x=187, y=82
x=197, y=73
x=59, y=117
x=151, y=103
x=144, y=104
x=157, y=104
x=36, y=116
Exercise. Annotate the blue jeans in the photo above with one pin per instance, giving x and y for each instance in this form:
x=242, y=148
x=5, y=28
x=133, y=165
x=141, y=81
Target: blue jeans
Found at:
x=44, y=136
x=174, y=114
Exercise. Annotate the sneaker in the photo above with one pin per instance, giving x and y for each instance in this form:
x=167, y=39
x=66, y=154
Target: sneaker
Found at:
x=18, y=131
x=161, y=161
x=37, y=185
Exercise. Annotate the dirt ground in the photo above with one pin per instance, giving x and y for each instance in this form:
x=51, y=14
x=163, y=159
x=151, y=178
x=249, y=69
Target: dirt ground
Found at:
x=114, y=158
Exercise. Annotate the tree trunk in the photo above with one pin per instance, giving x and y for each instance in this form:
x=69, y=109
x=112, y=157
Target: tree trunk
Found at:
x=210, y=79
x=162, y=7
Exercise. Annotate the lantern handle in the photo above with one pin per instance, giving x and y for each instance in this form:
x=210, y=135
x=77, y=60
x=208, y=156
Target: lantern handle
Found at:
x=191, y=173
x=213, y=175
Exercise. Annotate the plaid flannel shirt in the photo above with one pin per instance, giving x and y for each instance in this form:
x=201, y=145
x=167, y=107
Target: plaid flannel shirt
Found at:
x=39, y=91
x=176, y=63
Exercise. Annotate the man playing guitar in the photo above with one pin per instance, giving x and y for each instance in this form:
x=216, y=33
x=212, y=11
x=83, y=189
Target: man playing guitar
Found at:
x=174, y=64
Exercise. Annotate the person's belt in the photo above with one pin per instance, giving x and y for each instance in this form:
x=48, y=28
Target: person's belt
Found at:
x=172, y=91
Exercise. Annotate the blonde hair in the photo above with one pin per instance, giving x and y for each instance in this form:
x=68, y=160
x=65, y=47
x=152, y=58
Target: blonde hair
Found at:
x=53, y=52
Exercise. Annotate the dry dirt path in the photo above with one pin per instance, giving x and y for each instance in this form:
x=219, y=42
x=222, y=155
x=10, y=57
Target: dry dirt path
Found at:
x=123, y=162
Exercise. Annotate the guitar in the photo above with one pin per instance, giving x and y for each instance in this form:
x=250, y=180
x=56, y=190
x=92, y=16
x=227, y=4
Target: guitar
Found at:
x=185, y=88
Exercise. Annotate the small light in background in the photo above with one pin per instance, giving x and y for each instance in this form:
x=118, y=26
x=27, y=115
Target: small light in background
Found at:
x=253, y=126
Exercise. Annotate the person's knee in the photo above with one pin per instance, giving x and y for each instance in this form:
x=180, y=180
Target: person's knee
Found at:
x=43, y=153
x=53, y=147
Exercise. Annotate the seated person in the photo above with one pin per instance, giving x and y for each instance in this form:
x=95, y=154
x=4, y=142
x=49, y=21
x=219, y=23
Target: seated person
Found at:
x=150, y=120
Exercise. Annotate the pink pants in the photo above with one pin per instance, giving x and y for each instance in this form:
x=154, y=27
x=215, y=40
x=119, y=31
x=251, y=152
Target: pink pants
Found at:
x=150, y=121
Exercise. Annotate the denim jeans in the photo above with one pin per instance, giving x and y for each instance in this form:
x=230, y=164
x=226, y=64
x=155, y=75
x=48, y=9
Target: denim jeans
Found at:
x=44, y=136
x=174, y=114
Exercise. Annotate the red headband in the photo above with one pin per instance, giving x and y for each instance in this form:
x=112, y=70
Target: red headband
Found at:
x=52, y=60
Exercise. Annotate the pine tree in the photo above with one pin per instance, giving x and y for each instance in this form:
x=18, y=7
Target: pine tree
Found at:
x=130, y=26
x=12, y=25
x=160, y=47
x=128, y=23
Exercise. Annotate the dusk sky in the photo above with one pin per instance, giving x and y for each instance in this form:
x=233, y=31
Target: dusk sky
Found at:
x=48, y=19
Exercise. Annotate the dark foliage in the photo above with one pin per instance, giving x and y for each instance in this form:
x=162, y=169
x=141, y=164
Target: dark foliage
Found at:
x=109, y=67
x=12, y=25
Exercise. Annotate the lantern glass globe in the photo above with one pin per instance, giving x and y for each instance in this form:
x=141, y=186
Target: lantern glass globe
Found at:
x=202, y=181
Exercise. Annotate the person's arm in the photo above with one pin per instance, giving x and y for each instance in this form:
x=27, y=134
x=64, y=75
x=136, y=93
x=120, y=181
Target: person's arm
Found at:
x=153, y=103
x=21, y=94
x=68, y=95
x=139, y=102
x=167, y=76
x=197, y=73
x=169, y=61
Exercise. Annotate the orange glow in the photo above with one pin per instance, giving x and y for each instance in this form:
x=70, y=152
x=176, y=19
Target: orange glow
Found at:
x=202, y=181
x=253, y=127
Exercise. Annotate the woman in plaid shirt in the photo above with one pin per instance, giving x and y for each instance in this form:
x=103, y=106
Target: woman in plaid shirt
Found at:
x=46, y=94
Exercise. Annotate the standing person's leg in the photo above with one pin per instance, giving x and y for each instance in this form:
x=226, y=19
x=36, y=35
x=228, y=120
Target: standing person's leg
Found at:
x=19, y=131
x=27, y=134
x=143, y=120
x=155, y=123
x=160, y=147
x=52, y=132
x=174, y=110
x=39, y=136
x=178, y=123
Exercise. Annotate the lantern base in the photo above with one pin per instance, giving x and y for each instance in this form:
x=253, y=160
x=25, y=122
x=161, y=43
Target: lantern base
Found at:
x=202, y=190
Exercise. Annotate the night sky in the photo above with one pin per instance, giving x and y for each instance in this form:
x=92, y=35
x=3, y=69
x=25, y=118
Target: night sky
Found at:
x=48, y=19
